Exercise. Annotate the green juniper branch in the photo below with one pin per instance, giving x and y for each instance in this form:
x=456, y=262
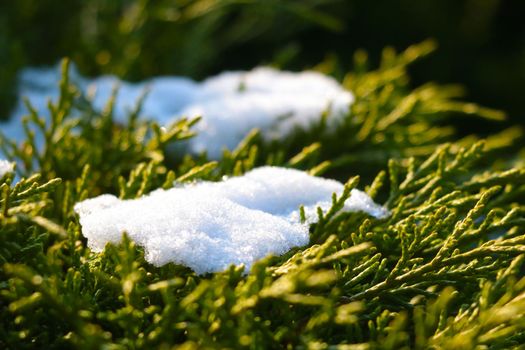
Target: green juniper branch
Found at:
x=444, y=270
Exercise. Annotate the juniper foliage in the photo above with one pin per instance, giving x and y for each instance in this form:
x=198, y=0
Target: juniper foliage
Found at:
x=443, y=271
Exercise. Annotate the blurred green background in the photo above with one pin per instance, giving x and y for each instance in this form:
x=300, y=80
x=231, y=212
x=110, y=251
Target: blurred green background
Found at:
x=481, y=42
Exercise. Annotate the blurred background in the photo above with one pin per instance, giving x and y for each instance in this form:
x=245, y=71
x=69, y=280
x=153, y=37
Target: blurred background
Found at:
x=481, y=42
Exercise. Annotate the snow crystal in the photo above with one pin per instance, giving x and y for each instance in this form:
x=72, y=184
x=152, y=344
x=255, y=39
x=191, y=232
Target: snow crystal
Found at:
x=6, y=167
x=230, y=104
x=208, y=226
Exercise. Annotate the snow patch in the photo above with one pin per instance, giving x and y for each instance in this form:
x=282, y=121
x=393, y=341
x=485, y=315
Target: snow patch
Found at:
x=275, y=102
x=208, y=226
x=230, y=104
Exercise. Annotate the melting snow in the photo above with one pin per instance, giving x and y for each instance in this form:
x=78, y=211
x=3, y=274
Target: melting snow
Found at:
x=6, y=167
x=208, y=226
x=231, y=103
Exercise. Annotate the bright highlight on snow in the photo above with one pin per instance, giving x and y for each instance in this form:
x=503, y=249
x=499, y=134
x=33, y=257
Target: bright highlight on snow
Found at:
x=6, y=167
x=208, y=226
x=230, y=104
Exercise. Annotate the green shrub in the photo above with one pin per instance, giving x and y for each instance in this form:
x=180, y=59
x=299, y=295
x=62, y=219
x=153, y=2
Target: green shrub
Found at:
x=443, y=271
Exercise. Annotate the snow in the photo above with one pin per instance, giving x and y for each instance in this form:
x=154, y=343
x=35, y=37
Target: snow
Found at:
x=275, y=102
x=231, y=103
x=6, y=167
x=208, y=226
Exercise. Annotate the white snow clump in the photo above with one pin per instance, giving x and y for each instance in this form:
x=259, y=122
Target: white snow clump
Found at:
x=208, y=226
x=6, y=167
x=230, y=104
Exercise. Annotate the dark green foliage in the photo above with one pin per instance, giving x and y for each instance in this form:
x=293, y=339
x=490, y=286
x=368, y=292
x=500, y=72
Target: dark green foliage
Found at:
x=443, y=271
x=481, y=42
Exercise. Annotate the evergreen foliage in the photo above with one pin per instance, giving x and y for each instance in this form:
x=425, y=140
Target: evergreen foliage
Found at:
x=444, y=271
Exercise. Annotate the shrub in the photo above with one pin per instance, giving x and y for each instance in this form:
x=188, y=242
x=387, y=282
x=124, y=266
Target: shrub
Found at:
x=443, y=271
